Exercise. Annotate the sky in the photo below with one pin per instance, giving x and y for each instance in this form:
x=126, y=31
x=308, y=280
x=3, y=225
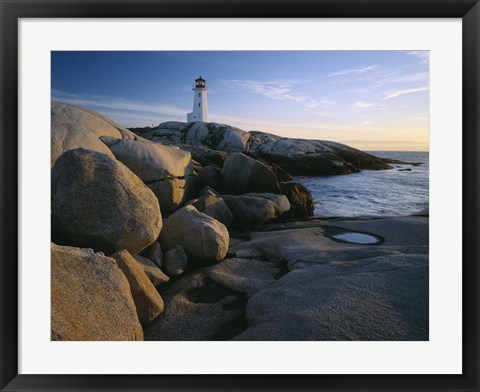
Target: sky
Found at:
x=370, y=100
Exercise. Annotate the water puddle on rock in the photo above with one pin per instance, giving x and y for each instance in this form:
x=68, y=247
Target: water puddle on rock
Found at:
x=357, y=238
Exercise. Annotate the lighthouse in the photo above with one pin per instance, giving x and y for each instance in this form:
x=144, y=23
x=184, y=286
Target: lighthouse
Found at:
x=200, y=105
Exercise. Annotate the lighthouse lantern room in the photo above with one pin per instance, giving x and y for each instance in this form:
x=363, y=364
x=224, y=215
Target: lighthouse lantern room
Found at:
x=200, y=105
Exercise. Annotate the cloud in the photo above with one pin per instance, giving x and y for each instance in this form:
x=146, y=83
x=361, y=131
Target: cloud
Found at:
x=311, y=104
x=396, y=93
x=326, y=103
x=366, y=123
x=325, y=114
x=363, y=105
x=282, y=90
x=423, y=55
x=353, y=71
x=277, y=89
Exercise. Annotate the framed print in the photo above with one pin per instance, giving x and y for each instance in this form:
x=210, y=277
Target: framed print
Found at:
x=238, y=195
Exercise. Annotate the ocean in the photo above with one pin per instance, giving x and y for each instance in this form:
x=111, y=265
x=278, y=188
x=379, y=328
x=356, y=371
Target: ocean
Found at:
x=400, y=191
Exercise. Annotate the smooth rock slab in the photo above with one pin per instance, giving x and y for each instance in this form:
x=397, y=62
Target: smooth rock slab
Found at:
x=385, y=299
x=90, y=297
x=97, y=202
x=147, y=300
x=244, y=275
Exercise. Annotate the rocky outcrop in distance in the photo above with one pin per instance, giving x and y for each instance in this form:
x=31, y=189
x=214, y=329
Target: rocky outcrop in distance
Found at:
x=296, y=156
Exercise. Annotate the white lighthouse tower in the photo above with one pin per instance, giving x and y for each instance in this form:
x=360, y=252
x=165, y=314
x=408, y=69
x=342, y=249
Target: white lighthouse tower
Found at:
x=200, y=105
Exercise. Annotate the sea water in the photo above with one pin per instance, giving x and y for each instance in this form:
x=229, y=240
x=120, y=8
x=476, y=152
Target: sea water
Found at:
x=374, y=193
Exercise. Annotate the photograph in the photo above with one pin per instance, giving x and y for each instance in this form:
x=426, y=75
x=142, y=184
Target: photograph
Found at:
x=240, y=195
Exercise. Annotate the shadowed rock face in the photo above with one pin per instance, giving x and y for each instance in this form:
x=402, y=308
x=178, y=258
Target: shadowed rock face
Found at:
x=91, y=298
x=242, y=174
x=97, y=202
x=253, y=209
x=300, y=198
x=196, y=308
x=296, y=156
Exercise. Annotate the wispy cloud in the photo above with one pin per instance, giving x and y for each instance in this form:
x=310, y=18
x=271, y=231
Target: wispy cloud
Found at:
x=396, y=93
x=353, y=71
x=365, y=123
x=311, y=104
x=325, y=114
x=322, y=103
x=282, y=90
x=276, y=89
x=423, y=55
x=363, y=105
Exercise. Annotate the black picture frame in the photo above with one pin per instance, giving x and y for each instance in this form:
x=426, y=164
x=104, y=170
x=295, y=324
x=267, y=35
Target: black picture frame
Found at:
x=12, y=11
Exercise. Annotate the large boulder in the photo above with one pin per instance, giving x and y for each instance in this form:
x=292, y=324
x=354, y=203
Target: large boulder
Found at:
x=74, y=127
x=151, y=161
x=164, y=169
x=147, y=300
x=256, y=208
x=97, y=202
x=203, y=238
x=242, y=174
x=90, y=297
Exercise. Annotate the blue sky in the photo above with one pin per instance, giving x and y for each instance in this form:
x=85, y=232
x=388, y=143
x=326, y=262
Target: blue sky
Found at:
x=371, y=100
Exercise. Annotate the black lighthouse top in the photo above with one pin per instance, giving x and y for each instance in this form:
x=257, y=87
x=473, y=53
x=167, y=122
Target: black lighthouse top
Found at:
x=199, y=83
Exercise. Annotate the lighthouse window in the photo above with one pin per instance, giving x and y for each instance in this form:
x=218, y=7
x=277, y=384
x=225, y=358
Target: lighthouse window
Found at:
x=199, y=104
x=199, y=94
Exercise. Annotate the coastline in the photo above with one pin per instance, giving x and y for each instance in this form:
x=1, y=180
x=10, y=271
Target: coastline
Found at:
x=291, y=281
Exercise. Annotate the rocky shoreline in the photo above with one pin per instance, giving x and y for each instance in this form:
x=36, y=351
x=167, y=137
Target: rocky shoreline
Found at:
x=196, y=232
